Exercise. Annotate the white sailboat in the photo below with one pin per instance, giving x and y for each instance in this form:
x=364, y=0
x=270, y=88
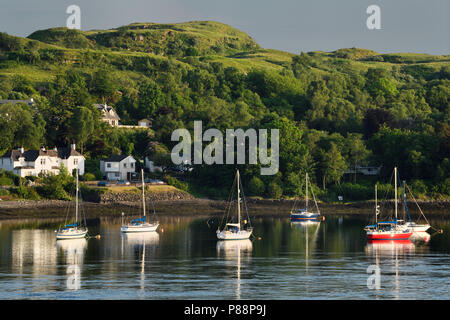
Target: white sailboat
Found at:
x=237, y=230
x=411, y=225
x=75, y=230
x=141, y=225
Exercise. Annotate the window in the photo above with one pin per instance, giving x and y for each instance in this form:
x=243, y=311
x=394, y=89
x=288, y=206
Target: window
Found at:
x=108, y=165
x=116, y=174
x=132, y=165
x=124, y=165
x=75, y=161
x=42, y=161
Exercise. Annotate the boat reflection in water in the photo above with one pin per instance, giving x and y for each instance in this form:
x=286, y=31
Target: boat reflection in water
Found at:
x=311, y=230
x=233, y=251
x=73, y=251
x=141, y=241
x=390, y=254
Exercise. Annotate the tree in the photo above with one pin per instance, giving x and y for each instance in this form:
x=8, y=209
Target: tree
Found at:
x=374, y=119
x=357, y=149
x=332, y=165
x=82, y=126
x=150, y=98
x=20, y=126
x=103, y=84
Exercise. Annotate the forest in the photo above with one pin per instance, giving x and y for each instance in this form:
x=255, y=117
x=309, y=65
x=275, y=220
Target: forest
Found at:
x=335, y=110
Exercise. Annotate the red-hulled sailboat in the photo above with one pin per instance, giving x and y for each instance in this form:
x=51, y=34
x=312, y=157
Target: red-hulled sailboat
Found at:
x=387, y=230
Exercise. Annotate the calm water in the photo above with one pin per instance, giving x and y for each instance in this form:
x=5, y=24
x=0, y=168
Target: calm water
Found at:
x=184, y=261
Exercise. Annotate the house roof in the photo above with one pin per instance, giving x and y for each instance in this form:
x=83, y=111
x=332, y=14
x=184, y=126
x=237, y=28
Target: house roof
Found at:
x=13, y=154
x=106, y=111
x=32, y=155
x=66, y=152
x=116, y=158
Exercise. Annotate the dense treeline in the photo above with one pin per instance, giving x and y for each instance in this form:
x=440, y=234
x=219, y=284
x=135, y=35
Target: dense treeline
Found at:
x=334, y=110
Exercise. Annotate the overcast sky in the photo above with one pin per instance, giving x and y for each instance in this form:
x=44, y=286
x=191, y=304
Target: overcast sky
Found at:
x=291, y=25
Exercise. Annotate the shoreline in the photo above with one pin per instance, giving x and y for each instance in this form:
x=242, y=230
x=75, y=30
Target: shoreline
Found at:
x=199, y=208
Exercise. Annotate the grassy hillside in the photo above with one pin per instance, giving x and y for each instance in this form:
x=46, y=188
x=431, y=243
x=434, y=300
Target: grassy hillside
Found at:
x=179, y=39
x=336, y=109
x=207, y=41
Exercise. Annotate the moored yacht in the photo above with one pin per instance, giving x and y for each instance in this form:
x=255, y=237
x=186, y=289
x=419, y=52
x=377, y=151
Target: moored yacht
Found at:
x=141, y=224
x=237, y=230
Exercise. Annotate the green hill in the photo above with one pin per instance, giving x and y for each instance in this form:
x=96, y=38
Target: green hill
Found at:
x=178, y=39
x=336, y=109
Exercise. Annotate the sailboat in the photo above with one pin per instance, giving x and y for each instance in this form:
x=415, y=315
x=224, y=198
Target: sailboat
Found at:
x=240, y=229
x=387, y=230
x=74, y=230
x=411, y=225
x=141, y=225
x=305, y=214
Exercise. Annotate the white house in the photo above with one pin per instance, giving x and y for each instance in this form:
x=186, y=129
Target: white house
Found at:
x=71, y=159
x=33, y=162
x=118, y=167
x=108, y=114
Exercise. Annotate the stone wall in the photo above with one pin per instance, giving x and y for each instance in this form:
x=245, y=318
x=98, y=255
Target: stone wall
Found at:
x=118, y=197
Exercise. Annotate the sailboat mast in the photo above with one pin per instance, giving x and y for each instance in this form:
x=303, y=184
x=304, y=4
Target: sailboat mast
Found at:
x=76, y=199
x=143, y=192
x=238, y=199
x=376, y=205
x=395, y=182
x=307, y=191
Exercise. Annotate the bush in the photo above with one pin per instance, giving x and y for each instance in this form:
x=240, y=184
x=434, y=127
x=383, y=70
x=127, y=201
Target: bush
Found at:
x=23, y=192
x=256, y=186
x=418, y=187
x=7, y=178
x=89, y=177
x=92, y=166
x=57, y=186
x=274, y=191
x=5, y=181
x=176, y=183
x=351, y=191
x=444, y=187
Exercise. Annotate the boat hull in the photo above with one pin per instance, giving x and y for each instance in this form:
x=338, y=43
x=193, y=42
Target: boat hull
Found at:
x=373, y=236
x=149, y=227
x=416, y=227
x=228, y=235
x=71, y=234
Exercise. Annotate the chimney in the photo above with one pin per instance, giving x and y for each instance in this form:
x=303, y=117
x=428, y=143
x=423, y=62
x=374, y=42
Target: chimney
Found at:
x=21, y=149
x=73, y=146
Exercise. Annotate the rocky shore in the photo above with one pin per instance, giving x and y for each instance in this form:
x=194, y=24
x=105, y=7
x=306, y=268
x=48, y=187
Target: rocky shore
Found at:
x=179, y=203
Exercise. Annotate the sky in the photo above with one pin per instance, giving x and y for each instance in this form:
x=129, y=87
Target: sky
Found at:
x=420, y=26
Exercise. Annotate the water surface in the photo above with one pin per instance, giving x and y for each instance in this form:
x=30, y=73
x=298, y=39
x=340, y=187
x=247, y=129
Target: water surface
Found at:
x=183, y=260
